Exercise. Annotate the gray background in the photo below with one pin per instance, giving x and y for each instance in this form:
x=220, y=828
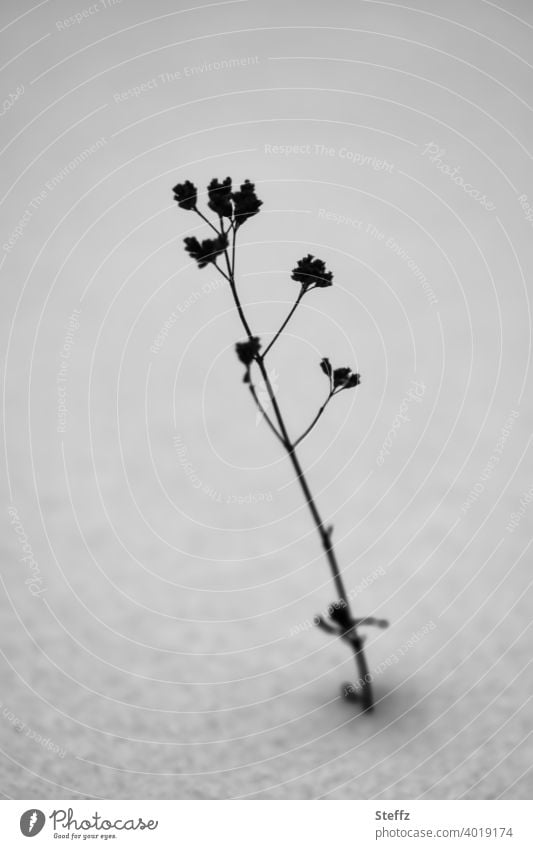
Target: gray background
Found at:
x=162, y=649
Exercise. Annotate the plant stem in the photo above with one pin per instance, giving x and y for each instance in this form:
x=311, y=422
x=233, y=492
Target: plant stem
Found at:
x=263, y=411
x=207, y=221
x=313, y=423
x=285, y=323
x=324, y=532
x=233, y=241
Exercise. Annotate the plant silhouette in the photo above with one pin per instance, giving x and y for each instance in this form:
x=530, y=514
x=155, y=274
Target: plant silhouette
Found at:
x=232, y=209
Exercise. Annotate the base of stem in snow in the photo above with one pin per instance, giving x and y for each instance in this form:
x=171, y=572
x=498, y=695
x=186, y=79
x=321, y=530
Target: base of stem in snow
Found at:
x=342, y=625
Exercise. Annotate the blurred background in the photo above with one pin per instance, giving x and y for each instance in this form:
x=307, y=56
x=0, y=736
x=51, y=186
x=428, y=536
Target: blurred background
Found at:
x=160, y=570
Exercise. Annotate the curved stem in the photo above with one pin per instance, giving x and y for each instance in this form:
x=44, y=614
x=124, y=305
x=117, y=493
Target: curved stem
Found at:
x=207, y=221
x=324, y=531
x=264, y=412
x=220, y=271
x=316, y=418
x=285, y=323
x=233, y=248
x=230, y=277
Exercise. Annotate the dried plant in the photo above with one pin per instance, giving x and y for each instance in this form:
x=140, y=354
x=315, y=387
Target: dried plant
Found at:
x=232, y=209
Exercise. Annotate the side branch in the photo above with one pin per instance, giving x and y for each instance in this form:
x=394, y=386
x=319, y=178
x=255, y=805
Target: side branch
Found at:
x=315, y=420
x=262, y=410
x=207, y=221
x=285, y=323
x=237, y=206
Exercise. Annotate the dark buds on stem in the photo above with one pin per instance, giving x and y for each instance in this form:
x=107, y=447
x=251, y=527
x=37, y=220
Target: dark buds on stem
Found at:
x=339, y=378
x=339, y=613
x=207, y=250
x=246, y=203
x=220, y=197
x=344, y=378
x=312, y=273
x=186, y=195
x=325, y=365
x=247, y=352
x=238, y=205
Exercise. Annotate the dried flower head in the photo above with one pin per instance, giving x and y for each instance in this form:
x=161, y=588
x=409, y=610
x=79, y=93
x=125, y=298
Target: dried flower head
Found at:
x=238, y=206
x=186, y=195
x=206, y=251
x=246, y=203
x=311, y=272
x=325, y=365
x=344, y=378
x=220, y=197
x=247, y=351
x=340, y=614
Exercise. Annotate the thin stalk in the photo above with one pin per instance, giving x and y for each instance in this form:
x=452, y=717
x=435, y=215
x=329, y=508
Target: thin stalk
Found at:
x=315, y=420
x=206, y=219
x=285, y=323
x=324, y=532
x=264, y=412
x=233, y=248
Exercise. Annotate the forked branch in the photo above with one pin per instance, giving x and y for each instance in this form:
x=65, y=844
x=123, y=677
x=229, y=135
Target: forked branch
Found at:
x=233, y=208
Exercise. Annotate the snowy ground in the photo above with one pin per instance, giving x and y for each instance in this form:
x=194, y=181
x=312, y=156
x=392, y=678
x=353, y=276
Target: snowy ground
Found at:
x=158, y=643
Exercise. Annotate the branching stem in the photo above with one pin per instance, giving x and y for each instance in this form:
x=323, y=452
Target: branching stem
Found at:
x=285, y=323
x=263, y=412
x=315, y=420
x=206, y=219
x=324, y=532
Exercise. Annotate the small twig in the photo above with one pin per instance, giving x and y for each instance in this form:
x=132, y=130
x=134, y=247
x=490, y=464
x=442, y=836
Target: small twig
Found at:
x=207, y=221
x=285, y=323
x=311, y=273
x=234, y=239
x=220, y=271
x=262, y=409
x=226, y=256
x=315, y=420
x=324, y=532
